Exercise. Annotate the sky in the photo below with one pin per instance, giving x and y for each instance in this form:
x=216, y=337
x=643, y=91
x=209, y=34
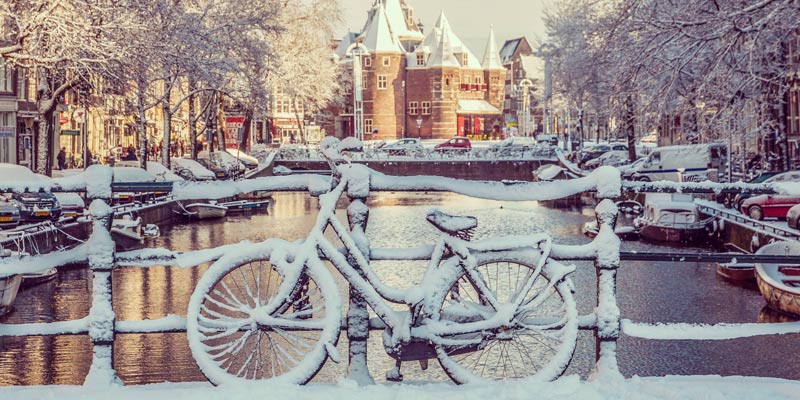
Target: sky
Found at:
x=470, y=19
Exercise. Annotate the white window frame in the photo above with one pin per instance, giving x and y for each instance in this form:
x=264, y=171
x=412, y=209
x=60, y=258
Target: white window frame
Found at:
x=413, y=107
x=383, y=82
x=426, y=107
x=387, y=61
x=368, y=126
x=368, y=61
x=420, y=59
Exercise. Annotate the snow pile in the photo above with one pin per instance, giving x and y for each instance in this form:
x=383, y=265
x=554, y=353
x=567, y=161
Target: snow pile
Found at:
x=161, y=173
x=569, y=387
x=281, y=170
x=683, y=331
x=609, y=182
x=195, y=168
x=130, y=174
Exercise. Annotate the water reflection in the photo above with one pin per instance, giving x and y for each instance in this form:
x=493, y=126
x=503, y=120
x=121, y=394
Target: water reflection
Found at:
x=648, y=292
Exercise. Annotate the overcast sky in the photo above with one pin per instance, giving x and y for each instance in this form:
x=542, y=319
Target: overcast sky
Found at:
x=469, y=18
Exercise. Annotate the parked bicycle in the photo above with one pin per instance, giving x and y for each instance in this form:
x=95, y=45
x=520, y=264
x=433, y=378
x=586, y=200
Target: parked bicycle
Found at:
x=499, y=308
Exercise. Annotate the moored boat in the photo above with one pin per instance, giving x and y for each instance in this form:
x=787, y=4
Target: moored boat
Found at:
x=9, y=286
x=127, y=233
x=780, y=283
x=36, y=278
x=206, y=210
x=672, y=219
x=245, y=205
x=739, y=272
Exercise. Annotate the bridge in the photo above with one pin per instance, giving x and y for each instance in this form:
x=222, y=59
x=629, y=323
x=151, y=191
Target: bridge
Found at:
x=605, y=321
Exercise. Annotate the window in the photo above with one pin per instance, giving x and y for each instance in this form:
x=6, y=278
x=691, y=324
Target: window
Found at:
x=467, y=79
x=412, y=107
x=6, y=78
x=426, y=108
x=464, y=59
x=387, y=61
x=368, y=61
x=382, y=82
x=420, y=59
x=367, y=126
x=365, y=80
x=478, y=80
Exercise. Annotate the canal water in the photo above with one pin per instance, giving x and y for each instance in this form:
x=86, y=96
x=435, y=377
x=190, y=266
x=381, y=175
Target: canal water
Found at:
x=647, y=292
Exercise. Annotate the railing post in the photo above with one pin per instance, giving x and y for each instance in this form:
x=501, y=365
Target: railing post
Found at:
x=100, y=249
x=357, y=312
x=607, y=311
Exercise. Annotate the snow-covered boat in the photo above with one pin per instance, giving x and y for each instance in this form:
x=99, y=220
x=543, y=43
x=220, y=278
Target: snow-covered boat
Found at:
x=9, y=286
x=127, y=233
x=245, y=205
x=671, y=219
x=36, y=278
x=740, y=272
x=780, y=283
x=206, y=210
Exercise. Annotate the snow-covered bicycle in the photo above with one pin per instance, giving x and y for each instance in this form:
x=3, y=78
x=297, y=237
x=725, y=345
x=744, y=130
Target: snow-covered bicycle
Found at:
x=492, y=309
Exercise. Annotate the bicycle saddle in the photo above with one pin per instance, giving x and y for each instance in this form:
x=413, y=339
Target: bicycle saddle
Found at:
x=454, y=225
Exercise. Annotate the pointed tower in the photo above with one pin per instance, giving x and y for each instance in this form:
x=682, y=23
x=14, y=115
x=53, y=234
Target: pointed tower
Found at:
x=383, y=72
x=491, y=57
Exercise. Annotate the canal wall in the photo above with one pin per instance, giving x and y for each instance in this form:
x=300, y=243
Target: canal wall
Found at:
x=474, y=170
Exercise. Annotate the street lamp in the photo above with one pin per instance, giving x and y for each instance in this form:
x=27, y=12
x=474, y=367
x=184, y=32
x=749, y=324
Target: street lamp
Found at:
x=525, y=86
x=419, y=127
x=356, y=51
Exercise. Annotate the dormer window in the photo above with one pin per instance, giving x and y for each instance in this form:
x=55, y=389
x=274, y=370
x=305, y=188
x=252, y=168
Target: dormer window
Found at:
x=368, y=61
x=420, y=59
x=464, y=59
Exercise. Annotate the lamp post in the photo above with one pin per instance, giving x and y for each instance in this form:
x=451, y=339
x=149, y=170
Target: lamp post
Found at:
x=419, y=127
x=356, y=51
x=525, y=86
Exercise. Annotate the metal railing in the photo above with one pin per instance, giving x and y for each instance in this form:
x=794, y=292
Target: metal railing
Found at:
x=101, y=324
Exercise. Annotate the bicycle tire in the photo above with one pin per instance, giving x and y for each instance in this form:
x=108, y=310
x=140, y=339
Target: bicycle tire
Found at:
x=313, y=300
x=512, y=357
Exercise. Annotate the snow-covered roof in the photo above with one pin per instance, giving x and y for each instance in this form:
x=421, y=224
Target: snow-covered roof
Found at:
x=378, y=37
x=509, y=47
x=348, y=39
x=399, y=23
x=456, y=48
x=442, y=54
x=491, y=57
x=480, y=107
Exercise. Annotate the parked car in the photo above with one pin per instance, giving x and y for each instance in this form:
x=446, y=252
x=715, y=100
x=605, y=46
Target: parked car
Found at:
x=598, y=150
x=38, y=206
x=666, y=163
x=790, y=176
x=455, y=144
x=9, y=212
x=221, y=163
x=731, y=200
x=613, y=158
x=72, y=205
x=512, y=145
x=793, y=217
x=550, y=140
x=403, y=147
x=191, y=170
x=769, y=206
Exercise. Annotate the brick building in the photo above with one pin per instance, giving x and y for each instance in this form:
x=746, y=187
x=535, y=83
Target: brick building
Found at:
x=416, y=85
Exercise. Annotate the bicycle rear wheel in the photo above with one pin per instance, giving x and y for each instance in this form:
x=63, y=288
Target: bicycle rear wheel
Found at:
x=539, y=343
x=229, y=343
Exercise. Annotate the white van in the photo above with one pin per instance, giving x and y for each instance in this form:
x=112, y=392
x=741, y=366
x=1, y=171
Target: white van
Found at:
x=693, y=161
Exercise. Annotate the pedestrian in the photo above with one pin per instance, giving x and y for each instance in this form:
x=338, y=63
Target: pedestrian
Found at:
x=88, y=157
x=62, y=159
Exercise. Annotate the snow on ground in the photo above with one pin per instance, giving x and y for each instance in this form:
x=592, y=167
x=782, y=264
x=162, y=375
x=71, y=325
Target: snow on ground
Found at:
x=570, y=387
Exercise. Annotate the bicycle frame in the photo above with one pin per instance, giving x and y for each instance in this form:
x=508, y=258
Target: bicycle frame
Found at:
x=421, y=301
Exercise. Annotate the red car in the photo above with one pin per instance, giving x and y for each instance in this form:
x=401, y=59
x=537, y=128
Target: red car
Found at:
x=768, y=205
x=456, y=143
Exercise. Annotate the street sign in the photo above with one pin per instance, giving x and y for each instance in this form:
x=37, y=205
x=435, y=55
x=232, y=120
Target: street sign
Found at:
x=239, y=134
x=70, y=132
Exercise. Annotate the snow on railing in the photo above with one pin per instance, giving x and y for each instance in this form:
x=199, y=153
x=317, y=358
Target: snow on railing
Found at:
x=102, y=325
x=379, y=154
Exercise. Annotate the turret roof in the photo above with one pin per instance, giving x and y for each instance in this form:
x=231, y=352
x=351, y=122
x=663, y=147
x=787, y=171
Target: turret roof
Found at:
x=378, y=36
x=491, y=57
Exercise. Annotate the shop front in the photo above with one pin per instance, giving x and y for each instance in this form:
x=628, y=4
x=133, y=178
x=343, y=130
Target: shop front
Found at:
x=479, y=120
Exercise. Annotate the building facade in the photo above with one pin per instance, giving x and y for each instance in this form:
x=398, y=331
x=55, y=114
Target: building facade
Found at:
x=417, y=85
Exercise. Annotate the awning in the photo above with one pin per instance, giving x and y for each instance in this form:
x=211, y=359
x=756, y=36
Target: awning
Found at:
x=477, y=107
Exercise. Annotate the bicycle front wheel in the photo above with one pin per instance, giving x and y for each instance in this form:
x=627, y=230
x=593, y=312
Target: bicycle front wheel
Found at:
x=250, y=320
x=539, y=342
